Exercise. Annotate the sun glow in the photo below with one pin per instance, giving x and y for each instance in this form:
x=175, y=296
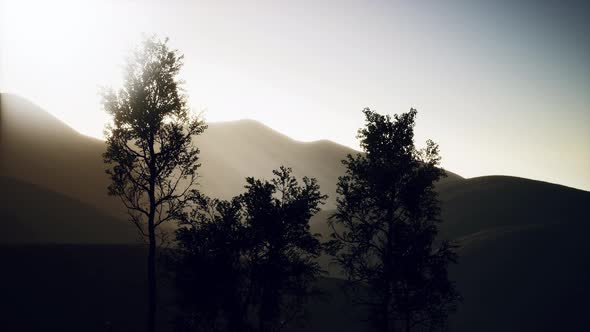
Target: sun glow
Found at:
x=66, y=49
x=71, y=49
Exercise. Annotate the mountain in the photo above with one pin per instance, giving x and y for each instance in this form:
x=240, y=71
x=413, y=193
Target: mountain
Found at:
x=42, y=150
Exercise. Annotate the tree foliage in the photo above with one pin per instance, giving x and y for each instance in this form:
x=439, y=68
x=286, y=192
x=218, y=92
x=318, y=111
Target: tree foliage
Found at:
x=385, y=227
x=149, y=141
x=153, y=164
x=210, y=273
x=249, y=262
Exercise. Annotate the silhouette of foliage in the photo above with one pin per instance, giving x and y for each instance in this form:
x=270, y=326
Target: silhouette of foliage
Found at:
x=283, y=252
x=385, y=227
x=153, y=164
x=210, y=273
x=248, y=263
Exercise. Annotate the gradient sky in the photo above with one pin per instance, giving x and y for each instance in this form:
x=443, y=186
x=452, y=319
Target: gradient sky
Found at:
x=502, y=86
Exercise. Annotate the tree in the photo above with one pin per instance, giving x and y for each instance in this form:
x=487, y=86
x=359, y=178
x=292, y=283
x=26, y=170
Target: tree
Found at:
x=152, y=162
x=385, y=227
x=283, y=252
x=251, y=260
x=210, y=274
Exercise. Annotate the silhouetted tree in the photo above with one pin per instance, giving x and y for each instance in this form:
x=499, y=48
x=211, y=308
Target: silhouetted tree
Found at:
x=210, y=273
x=248, y=264
x=153, y=163
x=283, y=251
x=385, y=227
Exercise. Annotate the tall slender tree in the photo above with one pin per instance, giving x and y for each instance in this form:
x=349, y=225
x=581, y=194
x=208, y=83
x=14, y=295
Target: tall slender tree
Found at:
x=385, y=227
x=152, y=162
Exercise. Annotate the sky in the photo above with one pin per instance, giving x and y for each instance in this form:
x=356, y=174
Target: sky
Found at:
x=502, y=86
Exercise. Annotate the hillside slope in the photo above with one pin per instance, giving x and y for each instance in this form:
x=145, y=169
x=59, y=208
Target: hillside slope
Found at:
x=490, y=202
x=32, y=214
x=39, y=149
x=524, y=254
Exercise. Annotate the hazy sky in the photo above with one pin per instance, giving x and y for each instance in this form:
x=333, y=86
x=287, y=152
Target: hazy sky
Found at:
x=502, y=86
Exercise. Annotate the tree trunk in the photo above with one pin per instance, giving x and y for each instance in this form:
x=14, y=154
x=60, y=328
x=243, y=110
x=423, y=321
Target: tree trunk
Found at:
x=408, y=312
x=152, y=285
x=152, y=289
x=270, y=307
x=385, y=314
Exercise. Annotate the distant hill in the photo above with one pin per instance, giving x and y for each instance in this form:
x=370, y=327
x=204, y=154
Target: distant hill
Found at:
x=496, y=202
x=478, y=209
x=231, y=151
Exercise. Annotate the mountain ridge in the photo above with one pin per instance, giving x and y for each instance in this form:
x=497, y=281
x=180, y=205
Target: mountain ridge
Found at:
x=41, y=148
